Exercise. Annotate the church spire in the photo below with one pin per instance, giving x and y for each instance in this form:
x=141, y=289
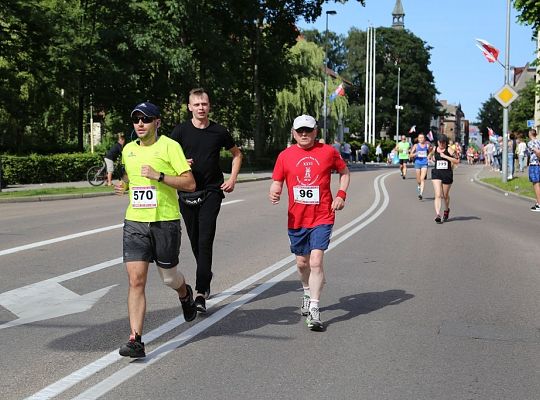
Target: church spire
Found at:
x=398, y=16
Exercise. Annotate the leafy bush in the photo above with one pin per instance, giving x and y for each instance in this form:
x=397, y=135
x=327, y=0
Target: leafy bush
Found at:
x=42, y=169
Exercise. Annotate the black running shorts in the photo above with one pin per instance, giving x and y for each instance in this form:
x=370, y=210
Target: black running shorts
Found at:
x=157, y=242
x=446, y=176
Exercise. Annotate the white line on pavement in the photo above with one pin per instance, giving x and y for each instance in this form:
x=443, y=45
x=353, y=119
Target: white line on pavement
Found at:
x=135, y=367
x=85, y=372
x=75, y=235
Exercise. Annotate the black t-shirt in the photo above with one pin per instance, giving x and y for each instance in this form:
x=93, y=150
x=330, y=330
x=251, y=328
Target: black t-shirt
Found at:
x=203, y=146
x=114, y=152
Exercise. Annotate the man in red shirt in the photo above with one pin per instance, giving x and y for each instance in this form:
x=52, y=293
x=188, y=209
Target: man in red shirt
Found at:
x=307, y=167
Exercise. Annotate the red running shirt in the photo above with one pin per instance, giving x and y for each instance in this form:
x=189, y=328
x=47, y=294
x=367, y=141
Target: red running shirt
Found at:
x=307, y=174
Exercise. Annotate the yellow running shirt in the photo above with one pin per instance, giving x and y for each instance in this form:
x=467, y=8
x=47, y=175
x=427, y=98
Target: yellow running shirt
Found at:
x=150, y=200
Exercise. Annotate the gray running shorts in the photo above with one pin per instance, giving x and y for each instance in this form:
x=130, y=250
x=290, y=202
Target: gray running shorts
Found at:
x=157, y=242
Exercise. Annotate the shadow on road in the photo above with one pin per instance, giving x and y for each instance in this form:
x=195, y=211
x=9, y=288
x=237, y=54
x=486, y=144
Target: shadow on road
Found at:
x=365, y=303
x=463, y=218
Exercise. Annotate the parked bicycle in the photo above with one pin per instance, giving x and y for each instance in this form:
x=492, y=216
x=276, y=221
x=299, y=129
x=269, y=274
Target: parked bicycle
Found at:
x=97, y=175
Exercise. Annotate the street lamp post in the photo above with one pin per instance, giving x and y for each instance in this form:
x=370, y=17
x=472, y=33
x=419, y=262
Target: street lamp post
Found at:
x=398, y=107
x=331, y=12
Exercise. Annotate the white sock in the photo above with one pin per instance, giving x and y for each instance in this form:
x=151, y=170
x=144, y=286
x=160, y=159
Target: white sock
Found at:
x=306, y=291
x=313, y=304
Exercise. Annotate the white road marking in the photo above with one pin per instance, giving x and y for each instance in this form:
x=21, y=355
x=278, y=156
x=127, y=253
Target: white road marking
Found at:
x=136, y=367
x=48, y=299
x=58, y=239
x=85, y=372
x=75, y=236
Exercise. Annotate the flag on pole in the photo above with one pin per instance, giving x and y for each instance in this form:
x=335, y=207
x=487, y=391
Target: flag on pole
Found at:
x=488, y=50
x=490, y=132
x=413, y=129
x=340, y=91
x=430, y=136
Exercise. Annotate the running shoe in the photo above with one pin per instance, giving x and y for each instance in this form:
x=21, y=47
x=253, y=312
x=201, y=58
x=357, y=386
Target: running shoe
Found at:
x=446, y=214
x=200, y=304
x=438, y=219
x=403, y=176
x=188, y=305
x=313, y=320
x=134, y=348
x=536, y=208
x=304, y=310
x=420, y=197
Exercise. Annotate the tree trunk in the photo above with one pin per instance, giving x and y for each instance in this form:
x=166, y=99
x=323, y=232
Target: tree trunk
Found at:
x=80, y=118
x=258, y=136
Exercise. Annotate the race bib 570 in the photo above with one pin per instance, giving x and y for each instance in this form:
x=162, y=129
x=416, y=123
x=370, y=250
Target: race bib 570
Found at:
x=143, y=197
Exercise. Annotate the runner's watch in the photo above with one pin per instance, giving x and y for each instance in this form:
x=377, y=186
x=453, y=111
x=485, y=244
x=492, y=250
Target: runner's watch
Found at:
x=161, y=177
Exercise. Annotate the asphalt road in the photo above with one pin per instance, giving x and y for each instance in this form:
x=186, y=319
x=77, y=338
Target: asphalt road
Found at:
x=413, y=310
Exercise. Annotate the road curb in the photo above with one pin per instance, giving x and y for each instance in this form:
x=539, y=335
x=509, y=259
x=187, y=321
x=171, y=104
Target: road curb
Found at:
x=498, y=189
x=52, y=197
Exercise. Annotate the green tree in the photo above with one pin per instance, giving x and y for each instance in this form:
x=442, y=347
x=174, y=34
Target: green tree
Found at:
x=305, y=94
x=336, y=51
x=530, y=12
x=522, y=109
x=490, y=116
x=417, y=88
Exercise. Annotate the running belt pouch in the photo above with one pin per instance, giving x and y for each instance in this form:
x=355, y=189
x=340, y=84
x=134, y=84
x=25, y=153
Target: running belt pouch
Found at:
x=193, y=199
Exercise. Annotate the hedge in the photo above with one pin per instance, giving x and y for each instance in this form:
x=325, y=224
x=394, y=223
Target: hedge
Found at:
x=73, y=167
x=52, y=168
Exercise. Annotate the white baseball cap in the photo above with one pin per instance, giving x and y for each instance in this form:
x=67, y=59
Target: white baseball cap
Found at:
x=304, y=121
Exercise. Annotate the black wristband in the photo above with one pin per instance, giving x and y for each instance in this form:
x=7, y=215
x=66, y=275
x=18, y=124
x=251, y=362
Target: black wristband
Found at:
x=161, y=177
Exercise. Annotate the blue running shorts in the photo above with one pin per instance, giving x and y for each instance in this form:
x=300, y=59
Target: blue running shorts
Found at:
x=420, y=164
x=534, y=173
x=303, y=240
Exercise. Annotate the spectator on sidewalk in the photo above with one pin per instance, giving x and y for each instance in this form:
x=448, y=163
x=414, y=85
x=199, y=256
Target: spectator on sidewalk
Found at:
x=346, y=154
x=534, y=166
x=112, y=155
x=378, y=153
x=364, y=152
x=521, y=150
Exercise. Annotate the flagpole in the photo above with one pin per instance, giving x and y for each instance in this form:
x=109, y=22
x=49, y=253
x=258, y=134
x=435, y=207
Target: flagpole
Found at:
x=373, y=89
x=505, y=109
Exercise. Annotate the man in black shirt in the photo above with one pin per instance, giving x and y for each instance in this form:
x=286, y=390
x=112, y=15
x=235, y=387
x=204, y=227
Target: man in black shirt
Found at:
x=112, y=155
x=202, y=140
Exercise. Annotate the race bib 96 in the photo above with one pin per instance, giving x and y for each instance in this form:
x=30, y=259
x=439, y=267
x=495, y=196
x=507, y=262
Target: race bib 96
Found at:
x=306, y=194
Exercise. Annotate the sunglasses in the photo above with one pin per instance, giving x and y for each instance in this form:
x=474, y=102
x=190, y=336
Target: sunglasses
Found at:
x=144, y=119
x=304, y=130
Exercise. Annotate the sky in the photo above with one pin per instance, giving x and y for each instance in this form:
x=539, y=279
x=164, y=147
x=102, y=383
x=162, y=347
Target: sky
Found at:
x=462, y=74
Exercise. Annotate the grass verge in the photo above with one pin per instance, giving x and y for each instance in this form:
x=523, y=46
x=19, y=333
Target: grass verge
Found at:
x=54, y=191
x=520, y=185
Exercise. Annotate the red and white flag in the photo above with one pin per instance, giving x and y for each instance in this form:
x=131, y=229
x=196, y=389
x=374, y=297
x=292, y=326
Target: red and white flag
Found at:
x=490, y=132
x=413, y=129
x=430, y=136
x=488, y=50
x=340, y=91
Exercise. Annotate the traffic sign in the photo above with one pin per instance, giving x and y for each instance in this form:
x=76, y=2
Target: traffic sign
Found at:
x=530, y=123
x=506, y=95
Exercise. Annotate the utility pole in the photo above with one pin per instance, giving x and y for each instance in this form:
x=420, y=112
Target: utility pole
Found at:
x=505, y=109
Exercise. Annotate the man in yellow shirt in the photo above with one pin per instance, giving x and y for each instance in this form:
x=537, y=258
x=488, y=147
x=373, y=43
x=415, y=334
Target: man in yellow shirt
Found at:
x=155, y=169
